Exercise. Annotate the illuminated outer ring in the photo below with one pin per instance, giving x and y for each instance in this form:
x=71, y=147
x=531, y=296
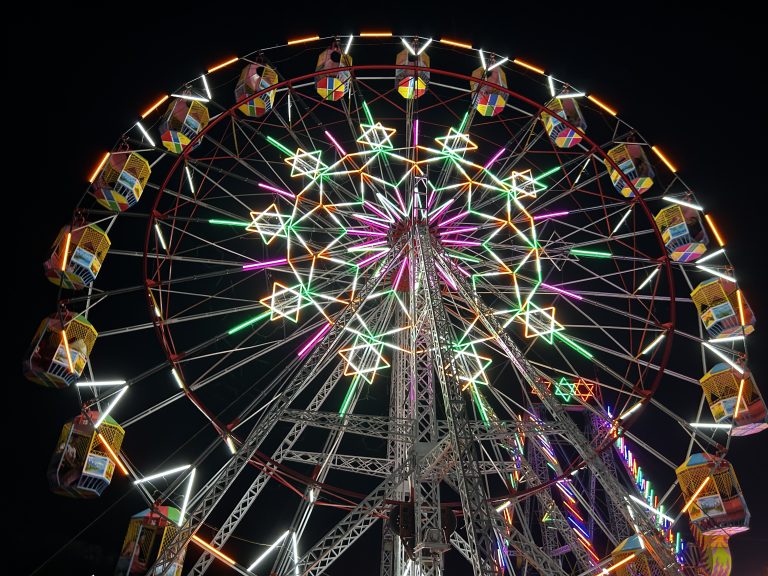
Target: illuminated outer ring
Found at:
x=164, y=336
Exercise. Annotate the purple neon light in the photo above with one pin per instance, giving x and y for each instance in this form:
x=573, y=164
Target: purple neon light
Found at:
x=550, y=215
x=461, y=242
x=399, y=274
x=376, y=211
x=563, y=292
x=372, y=233
x=370, y=243
x=372, y=221
x=373, y=258
x=400, y=200
x=265, y=264
x=495, y=157
x=441, y=210
x=458, y=230
x=452, y=219
x=444, y=275
x=277, y=191
x=336, y=144
x=314, y=340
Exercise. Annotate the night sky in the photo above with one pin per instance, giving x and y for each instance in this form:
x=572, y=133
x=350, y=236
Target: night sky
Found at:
x=688, y=81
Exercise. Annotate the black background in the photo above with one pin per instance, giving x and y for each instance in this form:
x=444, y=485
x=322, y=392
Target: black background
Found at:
x=75, y=78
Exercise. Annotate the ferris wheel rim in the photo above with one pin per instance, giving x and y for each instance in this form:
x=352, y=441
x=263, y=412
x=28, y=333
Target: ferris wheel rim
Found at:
x=593, y=149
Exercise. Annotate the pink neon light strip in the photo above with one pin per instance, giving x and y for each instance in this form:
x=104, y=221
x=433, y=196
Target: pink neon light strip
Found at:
x=458, y=230
x=373, y=258
x=399, y=275
x=277, y=190
x=461, y=242
x=373, y=233
x=336, y=144
x=447, y=279
x=563, y=292
x=371, y=221
x=453, y=219
x=495, y=157
x=265, y=264
x=550, y=215
x=441, y=210
x=376, y=211
x=400, y=200
x=314, y=340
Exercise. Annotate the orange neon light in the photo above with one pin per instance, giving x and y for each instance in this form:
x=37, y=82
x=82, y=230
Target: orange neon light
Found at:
x=223, y=64
x=99, y=167
x=375, y=34
x=120, y=465
x=711, y=223
x=612, y=568
x=741, y=307
x=455, y=43
x=220, y=555
x=302, y=40
x=525, y=64
x=664, y=159
x=66, y=253
x=605, y=107
x=66, y=349
x=738, y=399
x=695, y=494
x=154, y=106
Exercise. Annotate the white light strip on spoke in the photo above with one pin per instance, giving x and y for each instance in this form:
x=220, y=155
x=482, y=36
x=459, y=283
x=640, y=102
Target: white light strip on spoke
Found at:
x=146, y=134
x=571, y=95
x=623, y=219
x=160, y=237
x=295, y=546
x=645, y=282
x=178, y=379
x=101, y=383
x=482, y=59
x=551, y=86
x=630, y=411
x=712, y=425
x=186, y=496
x=231, y=444
x=266, y=553
x=727, y=339
x=163, y=473
x=427, y=43
x=189, y=179
x=714, y=272
x=730, y=362
x=652, y=345
x=497, y=64
x=349, y=45
x=110, y=407
x=682, y=203
x=190, y=97
x=407, y=45
x=651, y=508
x=205, y=85
x=712, y=255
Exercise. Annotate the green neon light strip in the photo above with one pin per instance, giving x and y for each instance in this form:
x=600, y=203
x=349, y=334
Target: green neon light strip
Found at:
x=572, y=344
x=590, y=253
x=279, y=146
x=464, y=121
x=367, y=112
x=249, y=322
x=547, y=173
x=228, y=223
x=348, y=397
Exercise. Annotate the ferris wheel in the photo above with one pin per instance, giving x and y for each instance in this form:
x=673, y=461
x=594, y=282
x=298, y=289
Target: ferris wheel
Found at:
x=405, y=287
